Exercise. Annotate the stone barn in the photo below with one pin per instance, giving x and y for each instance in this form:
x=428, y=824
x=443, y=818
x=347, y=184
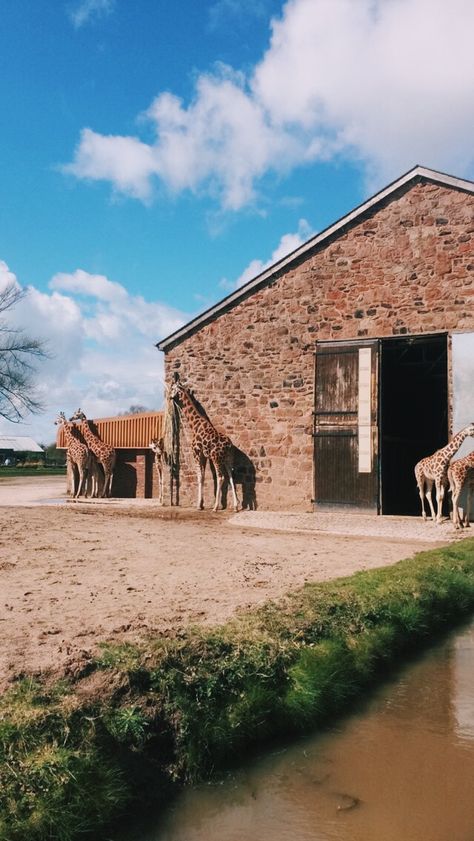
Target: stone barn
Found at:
x=338, y=368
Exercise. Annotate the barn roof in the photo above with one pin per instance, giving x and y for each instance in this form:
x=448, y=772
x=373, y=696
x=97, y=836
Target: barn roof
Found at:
x=418, y=173
x=19, y=444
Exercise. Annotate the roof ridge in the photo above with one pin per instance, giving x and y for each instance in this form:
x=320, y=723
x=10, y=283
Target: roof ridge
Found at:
x=412, y=174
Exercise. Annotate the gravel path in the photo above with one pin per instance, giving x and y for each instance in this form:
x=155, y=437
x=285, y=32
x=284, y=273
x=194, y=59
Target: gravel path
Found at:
x=352, y=524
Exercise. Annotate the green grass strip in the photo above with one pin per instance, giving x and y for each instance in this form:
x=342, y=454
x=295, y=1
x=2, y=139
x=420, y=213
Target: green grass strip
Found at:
x=74, y=756
x=22, y=472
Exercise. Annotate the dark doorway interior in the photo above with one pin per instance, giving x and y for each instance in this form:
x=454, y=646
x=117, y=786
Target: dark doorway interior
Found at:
x=413, y=414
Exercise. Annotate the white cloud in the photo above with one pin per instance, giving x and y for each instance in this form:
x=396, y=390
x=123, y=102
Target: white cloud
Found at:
x=124, y=161
x=288, y=243
x=87, y=10
x=385, y=82
x=101, y=341
x=378, y=77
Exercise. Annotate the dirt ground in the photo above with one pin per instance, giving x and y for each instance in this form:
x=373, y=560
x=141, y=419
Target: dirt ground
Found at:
x=75, y=574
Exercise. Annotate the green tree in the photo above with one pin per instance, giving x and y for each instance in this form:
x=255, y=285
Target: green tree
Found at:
x=53, y=455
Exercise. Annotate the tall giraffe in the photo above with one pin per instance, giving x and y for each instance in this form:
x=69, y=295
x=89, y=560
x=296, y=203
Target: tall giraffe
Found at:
x=77, y=453
x=434, y=470
x=104, y=453
x=461, y=475
x=206, y=443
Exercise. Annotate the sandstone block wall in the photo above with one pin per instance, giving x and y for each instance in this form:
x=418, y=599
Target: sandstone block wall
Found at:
x=407, y=267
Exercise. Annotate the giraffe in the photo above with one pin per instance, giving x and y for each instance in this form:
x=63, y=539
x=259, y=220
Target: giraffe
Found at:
x=461, y=475
x=78, y=454
x=158, y=447
x=104, y=453
x=434, y=470
x=206, y=443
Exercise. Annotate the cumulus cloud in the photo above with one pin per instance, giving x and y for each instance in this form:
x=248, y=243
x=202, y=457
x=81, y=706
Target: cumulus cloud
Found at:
x=387, y=83
x=377, y=77
x=101, y=340
x=288, y=243
x=88, y=10
x=124, y=161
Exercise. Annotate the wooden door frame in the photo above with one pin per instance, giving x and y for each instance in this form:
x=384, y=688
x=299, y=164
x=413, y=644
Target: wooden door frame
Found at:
x=356, y=344
x=378, y=342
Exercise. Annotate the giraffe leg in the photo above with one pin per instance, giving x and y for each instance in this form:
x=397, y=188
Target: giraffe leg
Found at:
x=219, y=483
x=439, y=499
x=201, y=469
x=90, y=489
x=456, y=494
x=429, y=489
x=111, y=474
x=232, y=486
x=82, y=476
x=421, y=491
x=159, y=470
x=95, y=492
x=71, y=478
x=107, y=482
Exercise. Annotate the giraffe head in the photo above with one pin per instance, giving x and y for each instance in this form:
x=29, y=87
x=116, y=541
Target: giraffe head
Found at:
x=177, y=388
x=61, y=419
x=157, y=445
x=470, y=430
x=78, y=415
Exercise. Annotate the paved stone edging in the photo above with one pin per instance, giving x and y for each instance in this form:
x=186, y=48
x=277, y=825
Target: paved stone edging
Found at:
x=350, y=524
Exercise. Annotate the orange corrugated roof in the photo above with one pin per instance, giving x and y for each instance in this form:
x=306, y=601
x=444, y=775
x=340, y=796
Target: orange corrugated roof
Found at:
x=127, y=432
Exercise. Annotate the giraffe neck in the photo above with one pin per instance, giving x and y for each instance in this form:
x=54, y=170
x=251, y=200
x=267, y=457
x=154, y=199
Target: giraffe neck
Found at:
x=70, y=440
x=453, y=445
x=191, y=413
x=73, y=444
x=88, y=434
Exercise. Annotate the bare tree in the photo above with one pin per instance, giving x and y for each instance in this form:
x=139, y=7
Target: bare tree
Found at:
x=18, y=351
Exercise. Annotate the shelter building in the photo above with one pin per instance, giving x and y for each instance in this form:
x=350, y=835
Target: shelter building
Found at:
x=130, y=435
x=13, y=446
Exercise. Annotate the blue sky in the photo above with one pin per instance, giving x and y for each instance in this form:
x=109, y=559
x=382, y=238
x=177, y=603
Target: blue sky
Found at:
x=153, y=156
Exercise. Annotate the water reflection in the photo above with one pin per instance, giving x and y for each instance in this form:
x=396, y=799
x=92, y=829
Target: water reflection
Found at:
x=463, y=696
x=400, y=770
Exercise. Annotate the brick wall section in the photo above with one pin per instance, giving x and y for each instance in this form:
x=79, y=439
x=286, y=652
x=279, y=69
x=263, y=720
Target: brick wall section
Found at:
x=406, y=268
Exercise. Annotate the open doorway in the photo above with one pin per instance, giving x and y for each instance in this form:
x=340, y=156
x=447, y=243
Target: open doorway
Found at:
x=413, y=404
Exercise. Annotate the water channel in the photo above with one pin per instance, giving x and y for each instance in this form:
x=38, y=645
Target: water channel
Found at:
x=400, y=769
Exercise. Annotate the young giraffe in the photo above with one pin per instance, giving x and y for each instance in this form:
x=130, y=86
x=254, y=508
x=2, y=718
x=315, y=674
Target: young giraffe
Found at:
x=104, y=453
x=461, y=475
x=158, y=447
x=206, y=443
x=78, y=454
x=434, y=470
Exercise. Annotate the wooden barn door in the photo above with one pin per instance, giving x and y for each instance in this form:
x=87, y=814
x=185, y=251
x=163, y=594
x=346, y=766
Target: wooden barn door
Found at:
x=345, y=424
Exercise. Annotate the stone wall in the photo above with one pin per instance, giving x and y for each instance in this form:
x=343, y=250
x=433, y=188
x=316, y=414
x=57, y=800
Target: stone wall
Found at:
x=407, y=267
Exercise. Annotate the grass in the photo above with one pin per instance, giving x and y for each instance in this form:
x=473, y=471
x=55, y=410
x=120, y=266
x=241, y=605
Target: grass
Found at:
x=9, y=472
x=74, y=756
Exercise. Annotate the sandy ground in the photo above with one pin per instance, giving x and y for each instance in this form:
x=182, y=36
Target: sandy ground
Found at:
x=74, y=574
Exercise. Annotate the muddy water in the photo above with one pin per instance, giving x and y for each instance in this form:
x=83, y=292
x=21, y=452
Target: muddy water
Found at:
x=402, y=769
